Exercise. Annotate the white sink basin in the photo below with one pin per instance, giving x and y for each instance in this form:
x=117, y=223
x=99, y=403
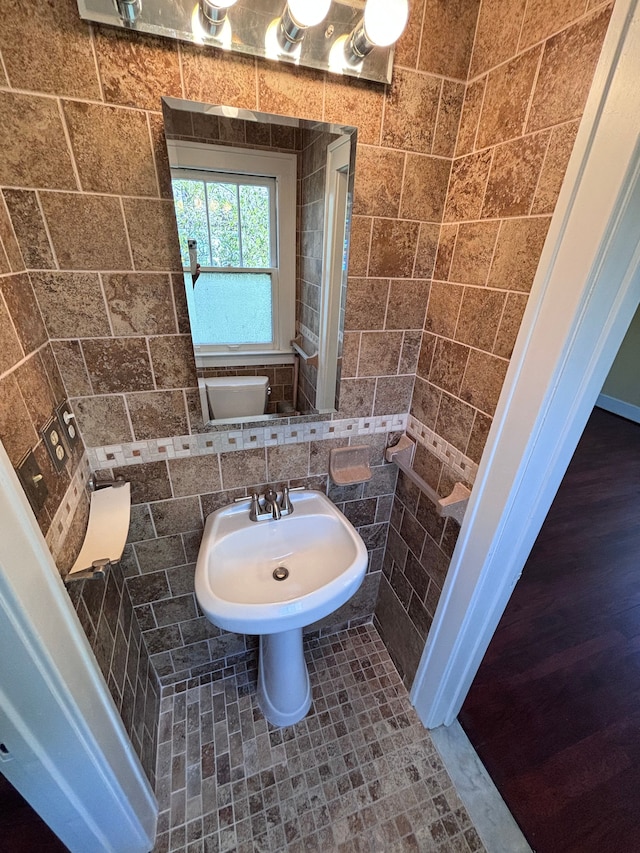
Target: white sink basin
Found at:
x=234, y=583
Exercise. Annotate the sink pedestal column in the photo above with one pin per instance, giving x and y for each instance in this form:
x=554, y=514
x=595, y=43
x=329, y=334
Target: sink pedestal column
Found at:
x=284, y=689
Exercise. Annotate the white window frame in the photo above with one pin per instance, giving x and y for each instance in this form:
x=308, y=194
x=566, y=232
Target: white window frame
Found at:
x=219, y=159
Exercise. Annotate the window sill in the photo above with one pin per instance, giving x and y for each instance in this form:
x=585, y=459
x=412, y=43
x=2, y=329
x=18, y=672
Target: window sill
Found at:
x=240, y=359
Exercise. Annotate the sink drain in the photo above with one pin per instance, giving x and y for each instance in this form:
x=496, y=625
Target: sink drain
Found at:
x=280, y=574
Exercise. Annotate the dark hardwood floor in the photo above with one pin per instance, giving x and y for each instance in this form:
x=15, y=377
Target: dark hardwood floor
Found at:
x=554, y=712
x=21, y=829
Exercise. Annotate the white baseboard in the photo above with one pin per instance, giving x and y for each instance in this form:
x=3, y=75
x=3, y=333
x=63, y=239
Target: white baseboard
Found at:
x=619, y=407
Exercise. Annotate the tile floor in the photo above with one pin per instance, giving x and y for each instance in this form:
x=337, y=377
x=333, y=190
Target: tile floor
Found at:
x=359, y=773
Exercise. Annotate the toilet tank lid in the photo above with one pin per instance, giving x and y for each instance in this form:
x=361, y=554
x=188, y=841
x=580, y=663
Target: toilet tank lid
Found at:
x=237, y=382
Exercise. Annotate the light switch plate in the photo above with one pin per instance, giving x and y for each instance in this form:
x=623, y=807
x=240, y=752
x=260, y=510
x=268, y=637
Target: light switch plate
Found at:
x=67, y=421
x=33, y=483
x=52, y=437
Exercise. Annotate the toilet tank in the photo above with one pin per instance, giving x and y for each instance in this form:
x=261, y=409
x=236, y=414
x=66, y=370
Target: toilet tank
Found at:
x=237, y=396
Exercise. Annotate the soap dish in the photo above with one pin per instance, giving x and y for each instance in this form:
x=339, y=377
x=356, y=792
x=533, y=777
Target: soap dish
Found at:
x=349, y=465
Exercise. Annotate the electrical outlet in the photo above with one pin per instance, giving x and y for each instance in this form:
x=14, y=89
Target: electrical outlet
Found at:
x=67, y=421
x=52, y=436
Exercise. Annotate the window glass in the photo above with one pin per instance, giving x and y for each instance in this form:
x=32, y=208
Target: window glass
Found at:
x=218, y=308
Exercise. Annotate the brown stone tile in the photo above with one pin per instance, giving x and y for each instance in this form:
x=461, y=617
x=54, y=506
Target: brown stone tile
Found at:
x=87, y=231
x=55, y=379
x=160, y=157
x=66, y=66
x=356, y=103
x=473, y=252
x=446, y=246
x=34, y=148
x=319, y=453
x=356, y=398
x=29, y=229
x=195, y=475
x=36, y=391
x=379, y=353
x=11, y=350
x=408, y=45
x=393, y=248
x=350, y=352
x=102, y=420
x=455, y=420
x=112, y=149
x=467, y=186
x=425, y=188
x=517, y=253
x=291, y=91
x=116, y=365
x=287, y=462
x=153, y=233
x=23, y=308
x=411, y=345
x=139, y=303
x=427, y=249
x=72, y=304
x=448, y=365
x=16, y=428
x=216, y=77
x=470, y=118
x=149, y=481
x=447, y=37
x=378, y=181
x=510, y=324
x=359, y=241
x=393, y=395
x=506, y=99
x=136, y=69
x=543, y=18
x=514, y=175
x=8, y=242
x=243, y=468
x=176, y=516
x=425, y=402
x=411, y=110
x=173, y=362
x=554, y=167
x=70, y=362
x=443, y=308
x=194, y=410
x=497, y=34
x=451, y=98
x=483, y=380
x=157, y=414
x=180, y=302
x=563, y=85
x=57, y=482
x=407, y=304
x=478, y=437
x=479, y=317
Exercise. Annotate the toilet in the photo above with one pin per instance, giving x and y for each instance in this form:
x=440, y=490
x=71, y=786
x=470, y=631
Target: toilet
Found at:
x=236, y=396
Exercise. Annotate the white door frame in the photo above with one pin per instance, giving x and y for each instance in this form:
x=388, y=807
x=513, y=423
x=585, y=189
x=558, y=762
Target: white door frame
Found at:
x=585, y=293
x=64, y=746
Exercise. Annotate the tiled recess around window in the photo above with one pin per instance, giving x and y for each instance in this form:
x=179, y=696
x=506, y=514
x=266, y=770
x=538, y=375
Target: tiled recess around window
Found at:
x=359, y=773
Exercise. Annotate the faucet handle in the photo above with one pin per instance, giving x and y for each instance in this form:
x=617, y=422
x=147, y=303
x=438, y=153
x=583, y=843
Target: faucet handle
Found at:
x=285, y=501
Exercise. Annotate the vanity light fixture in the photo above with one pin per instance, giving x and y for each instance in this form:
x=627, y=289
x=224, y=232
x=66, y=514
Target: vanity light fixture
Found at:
x=349, y=37
x=296, y=19
x=381, y=25
x=129, y=10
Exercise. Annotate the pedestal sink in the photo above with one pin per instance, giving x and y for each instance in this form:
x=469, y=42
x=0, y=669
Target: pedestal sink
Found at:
x=273, y=577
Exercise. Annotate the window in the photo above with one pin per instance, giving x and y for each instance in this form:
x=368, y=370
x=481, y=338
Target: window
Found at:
x=242, y=216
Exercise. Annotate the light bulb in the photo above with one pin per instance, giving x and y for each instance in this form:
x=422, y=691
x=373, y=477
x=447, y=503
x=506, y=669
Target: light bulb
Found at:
x=308, y=13
x=385, y=20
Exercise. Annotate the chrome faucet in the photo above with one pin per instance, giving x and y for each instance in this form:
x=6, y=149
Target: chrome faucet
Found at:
x=271, y=503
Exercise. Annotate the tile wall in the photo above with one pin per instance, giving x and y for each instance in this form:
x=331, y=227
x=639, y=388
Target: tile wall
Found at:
x=530, y=71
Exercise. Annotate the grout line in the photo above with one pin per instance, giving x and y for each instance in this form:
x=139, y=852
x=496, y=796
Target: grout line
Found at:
x=67, y=137
x=92, y=35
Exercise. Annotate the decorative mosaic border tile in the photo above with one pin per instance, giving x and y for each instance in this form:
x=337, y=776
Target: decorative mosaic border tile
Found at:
x=63, y=518
x=176, y=447
x=309, y=335
x=463, y=467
